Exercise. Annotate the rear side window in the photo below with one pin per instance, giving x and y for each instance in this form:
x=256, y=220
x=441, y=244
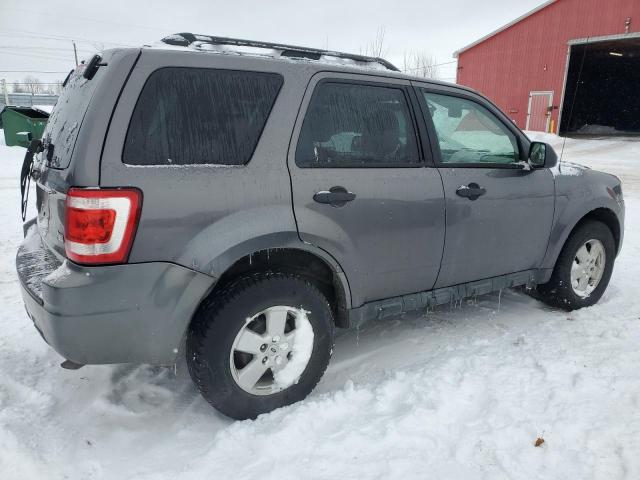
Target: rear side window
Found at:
x=352, y=125
x=190, y=116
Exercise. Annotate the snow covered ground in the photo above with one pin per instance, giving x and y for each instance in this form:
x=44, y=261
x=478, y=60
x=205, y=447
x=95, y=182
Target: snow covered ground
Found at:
x=459, y=393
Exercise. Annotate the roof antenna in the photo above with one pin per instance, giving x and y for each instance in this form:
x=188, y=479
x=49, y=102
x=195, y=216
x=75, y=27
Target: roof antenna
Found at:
x=573, y=100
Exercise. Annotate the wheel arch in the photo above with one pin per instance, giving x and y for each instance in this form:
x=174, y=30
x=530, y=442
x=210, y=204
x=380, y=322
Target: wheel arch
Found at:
x=609, y=218
x=290, y=257
x=602, y=214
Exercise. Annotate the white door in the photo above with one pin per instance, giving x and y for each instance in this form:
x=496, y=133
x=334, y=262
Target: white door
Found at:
x=539, y=111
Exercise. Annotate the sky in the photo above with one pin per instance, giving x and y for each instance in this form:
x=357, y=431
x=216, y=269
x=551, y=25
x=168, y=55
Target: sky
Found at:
x=36, y=36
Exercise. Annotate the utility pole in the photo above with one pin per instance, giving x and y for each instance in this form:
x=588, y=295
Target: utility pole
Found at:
x=75, y=51
x=4, y=90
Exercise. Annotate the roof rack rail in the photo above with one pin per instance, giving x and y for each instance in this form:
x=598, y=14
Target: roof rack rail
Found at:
x=187, y=39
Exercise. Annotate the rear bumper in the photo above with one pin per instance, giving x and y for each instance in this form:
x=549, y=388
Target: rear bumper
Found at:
x=134, y=313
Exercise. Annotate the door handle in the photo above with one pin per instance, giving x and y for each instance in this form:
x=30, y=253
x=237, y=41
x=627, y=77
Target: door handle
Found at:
x=472, y=191
x=335, y=196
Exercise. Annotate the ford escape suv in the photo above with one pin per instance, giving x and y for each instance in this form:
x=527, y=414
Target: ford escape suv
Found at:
x=233, y=202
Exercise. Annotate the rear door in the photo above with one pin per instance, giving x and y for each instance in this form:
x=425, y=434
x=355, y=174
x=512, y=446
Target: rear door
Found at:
x=499, y=214
x=362, y=189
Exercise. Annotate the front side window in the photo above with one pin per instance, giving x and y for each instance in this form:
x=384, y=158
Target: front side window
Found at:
x=469, y=133
x=200, y=116
x=352, y=125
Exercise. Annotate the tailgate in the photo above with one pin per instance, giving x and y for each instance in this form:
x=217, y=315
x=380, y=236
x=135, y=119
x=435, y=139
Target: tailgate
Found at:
x=73, y=138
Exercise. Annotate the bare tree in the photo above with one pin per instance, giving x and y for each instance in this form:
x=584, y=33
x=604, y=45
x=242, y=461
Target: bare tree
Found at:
x=376, y=47
x=29, y=84
x=420, y=64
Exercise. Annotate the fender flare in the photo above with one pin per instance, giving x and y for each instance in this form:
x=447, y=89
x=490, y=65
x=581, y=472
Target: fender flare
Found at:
x=568, y=221
x=277, y=240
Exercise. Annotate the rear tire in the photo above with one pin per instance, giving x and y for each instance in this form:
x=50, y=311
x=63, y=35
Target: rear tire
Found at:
x=237, y=320
x=583, y=269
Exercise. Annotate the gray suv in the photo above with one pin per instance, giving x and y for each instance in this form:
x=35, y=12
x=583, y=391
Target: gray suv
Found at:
x=233, y=202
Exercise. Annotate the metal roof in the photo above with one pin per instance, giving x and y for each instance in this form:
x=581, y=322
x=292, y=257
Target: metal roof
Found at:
x=504, y=27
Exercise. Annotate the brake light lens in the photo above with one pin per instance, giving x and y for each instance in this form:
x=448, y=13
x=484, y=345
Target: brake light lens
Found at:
x=100, y=224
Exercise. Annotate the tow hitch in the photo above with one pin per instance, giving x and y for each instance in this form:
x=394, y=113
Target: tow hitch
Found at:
x=69, y=365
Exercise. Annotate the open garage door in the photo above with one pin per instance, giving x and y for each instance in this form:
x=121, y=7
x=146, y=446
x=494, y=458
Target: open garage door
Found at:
x=601, y=92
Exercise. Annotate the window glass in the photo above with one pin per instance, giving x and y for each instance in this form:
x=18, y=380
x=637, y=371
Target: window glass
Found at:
x=469, y=133
x=200, y=116
x=349, y=125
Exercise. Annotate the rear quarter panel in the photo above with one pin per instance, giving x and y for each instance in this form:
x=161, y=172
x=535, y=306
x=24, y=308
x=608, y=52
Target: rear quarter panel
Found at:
x=205, y=217
x=84, y=165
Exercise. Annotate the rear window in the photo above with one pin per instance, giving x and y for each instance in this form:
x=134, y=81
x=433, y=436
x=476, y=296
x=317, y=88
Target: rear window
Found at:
x=190, y=116
x=61, y=132
x=352, y=125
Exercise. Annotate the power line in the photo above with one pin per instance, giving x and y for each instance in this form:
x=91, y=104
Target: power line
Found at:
x=31, y=34
x=126, y=25
x=30, y=71
x=38, y=55
x=430, y=66
x=33, y=83
x=23, y=47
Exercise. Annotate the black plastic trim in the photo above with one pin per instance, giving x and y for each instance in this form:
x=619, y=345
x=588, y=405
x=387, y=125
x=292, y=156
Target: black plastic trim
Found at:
x=418, y=301
x=185, y=39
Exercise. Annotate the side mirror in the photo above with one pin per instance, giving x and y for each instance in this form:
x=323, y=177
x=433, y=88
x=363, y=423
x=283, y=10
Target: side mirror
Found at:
x=542, y=155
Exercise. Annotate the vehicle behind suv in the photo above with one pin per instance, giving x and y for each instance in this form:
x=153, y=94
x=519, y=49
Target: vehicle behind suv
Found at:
x=234, y=202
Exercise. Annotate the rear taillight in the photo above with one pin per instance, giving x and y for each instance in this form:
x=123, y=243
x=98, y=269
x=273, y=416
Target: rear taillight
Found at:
x=100, y=224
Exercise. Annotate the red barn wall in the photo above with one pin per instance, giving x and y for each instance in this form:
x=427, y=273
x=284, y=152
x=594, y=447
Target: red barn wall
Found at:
x=532, y=54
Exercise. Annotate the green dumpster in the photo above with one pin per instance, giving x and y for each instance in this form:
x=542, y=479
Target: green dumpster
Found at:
x=22, y=124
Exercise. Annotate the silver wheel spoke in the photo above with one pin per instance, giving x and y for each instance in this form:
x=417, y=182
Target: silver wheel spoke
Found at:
x=276, y=320
x=576, y=269
x=583, y=254
x=596, y=252
x=249, y=375
x=270, y=352
x=290, y=337
x=588, y=267
x=249, y=342
x=583, y=281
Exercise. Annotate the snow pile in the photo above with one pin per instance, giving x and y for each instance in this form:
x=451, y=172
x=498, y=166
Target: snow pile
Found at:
x=44, y=108
x=459, y=393
x=300, y=352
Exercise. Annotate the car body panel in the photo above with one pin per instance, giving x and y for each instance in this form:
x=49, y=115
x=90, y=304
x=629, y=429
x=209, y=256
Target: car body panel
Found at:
x=389, y=239
x=506, y=230
x=579, y=191
x=131, y=313
x=193, y=214
x=83, y=168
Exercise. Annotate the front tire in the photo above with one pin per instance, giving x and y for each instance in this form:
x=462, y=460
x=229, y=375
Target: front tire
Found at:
x=260, y=344
x=583, y=269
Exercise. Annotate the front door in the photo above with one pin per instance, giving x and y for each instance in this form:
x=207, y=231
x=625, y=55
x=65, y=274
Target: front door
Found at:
x=498, y=213
x=539, y=111
x=361, y=189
